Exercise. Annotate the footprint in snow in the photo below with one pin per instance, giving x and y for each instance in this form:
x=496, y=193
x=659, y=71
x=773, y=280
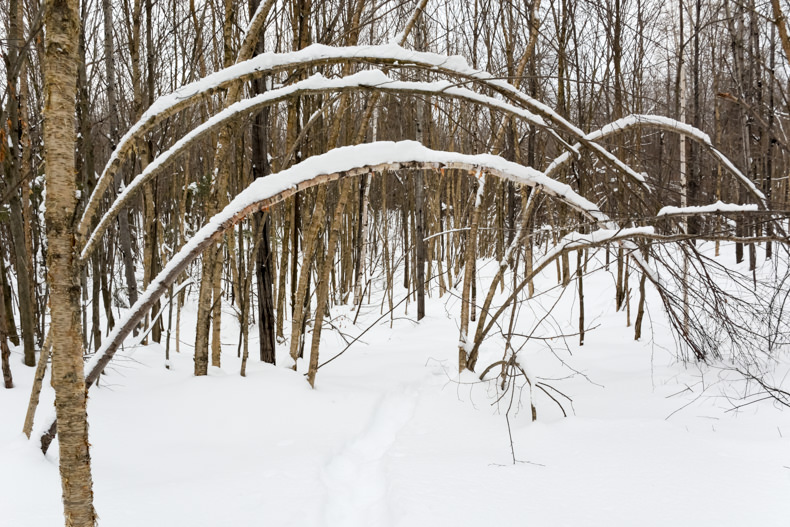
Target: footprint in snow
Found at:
x=355, y=478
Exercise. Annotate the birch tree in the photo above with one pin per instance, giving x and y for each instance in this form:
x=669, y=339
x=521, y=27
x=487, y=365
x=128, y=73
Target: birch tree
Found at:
x=62, y=22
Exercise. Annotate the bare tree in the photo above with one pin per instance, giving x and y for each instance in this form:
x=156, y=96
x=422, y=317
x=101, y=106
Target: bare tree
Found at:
x=62, y=22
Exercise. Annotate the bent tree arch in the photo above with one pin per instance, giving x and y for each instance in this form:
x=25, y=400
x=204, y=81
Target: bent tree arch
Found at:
x=389, y=55
x=375, y=80
x=363, y=159
x=370, y=80
x=340, y=163
x=668, y=125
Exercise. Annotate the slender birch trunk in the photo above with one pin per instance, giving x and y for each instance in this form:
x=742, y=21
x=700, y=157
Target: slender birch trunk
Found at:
x=322, y=288
x=38, y=380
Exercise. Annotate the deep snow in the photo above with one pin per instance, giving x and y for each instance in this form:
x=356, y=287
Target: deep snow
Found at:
x=392, y=436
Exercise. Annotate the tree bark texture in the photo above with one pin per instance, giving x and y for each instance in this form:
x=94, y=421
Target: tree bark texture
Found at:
x=62, y=24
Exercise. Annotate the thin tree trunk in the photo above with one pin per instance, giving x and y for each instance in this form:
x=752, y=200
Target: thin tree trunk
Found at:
x=216, y=308
x=419, y=196
x=471, y=254
x=5, y=353
x=124, y=234
x=204, y=313
x=264, y=261
x=153, y=227
x=640, y=310
x=264, y=257
x=322, y=288
x=580, y=280
x=283, y=272
x=23, y=261
x=387, y=263
x=38, y=380
x=88, y=174
x=362, y=235
x=105, y=289
x=301, y=301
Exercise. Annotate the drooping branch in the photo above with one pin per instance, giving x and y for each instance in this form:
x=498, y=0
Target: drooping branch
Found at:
x=335, y=165
x=570, y=243
x=575, y=241
x=366, y=80
x=391, y=55
x=669, y=125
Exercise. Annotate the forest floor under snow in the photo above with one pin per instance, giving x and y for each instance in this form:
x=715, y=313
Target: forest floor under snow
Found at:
x=393, y=436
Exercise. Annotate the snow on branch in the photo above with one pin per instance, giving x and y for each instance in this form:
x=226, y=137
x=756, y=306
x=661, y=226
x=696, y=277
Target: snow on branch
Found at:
x=336, y=164
x=575, y=240
x=706, y=209
x=662, y=123
x=390, y=54
x=370, y=79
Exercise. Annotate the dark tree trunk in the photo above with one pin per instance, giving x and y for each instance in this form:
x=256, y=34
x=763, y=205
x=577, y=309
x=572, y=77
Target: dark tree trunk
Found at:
x=14, y=175
x=263, y=258
x=5, y=353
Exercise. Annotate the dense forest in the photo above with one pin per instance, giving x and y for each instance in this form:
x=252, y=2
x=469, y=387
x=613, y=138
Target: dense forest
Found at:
x=272, y=161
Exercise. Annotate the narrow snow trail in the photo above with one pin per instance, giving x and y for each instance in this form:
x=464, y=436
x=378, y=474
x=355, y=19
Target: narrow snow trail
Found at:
x=356, y=479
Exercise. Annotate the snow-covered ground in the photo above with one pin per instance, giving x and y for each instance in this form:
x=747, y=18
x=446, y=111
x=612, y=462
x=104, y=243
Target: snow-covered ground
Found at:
x=392, y=436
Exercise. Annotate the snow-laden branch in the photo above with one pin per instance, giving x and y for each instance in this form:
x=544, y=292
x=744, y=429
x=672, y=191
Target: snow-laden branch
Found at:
x=370, y=79
x=334, y=165
x=661, y=123
x=717, y=207
x=571, y=242
x=391, y=54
